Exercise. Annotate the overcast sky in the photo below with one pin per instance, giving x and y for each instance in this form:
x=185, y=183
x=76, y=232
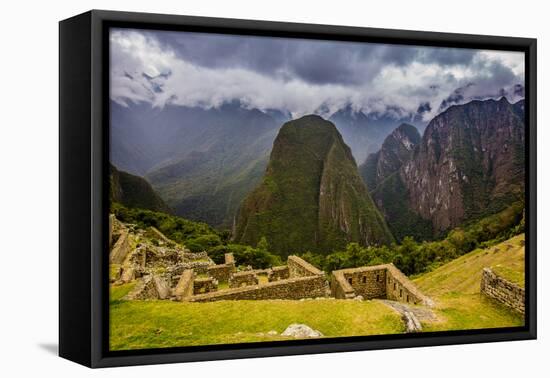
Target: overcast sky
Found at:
x=304, y=76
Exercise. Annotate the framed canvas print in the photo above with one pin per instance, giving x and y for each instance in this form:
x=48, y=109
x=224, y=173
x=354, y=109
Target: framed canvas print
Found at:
x=233, y=188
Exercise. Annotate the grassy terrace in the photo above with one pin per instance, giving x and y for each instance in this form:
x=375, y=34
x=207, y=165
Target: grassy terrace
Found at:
x=456, y=288
x=453, y=286
x=157, y=324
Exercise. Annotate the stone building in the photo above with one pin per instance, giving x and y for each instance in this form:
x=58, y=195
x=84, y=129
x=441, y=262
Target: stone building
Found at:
x=379, y=281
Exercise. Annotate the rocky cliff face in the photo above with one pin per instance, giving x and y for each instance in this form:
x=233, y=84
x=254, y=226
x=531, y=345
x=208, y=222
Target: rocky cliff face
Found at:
x=470, y=163
x=396, y=149
x=311, y=197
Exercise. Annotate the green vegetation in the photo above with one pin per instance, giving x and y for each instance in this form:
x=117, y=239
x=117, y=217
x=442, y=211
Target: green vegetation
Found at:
x=456, y=291
x=404, y=221
x=245, y=255
x=311, y=197
x=197, y=236
x=158, y=324
x=414, y=258
x=119, y=292
x=178, y=229
x=134, y=191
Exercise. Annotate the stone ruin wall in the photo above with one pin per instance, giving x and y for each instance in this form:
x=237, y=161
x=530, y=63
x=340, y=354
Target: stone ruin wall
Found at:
x=400, y=288
x=502, y=290
x=380, y=281
x=298, y=267
x=223, y=272
x=340, y=287
x=305, y=281
x=278, y=273
x=121, y=248
x=245, y=278
x=293, y=288
x=151, y=287
x=296, y=280
x=368, y=282
x=204, y=285
x=186, y=285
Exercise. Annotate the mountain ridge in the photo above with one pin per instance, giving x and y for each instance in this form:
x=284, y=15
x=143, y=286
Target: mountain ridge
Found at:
x=134, y=191
x=469, y=163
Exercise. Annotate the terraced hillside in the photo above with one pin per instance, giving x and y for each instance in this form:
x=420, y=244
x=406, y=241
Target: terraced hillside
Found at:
x=455, y=287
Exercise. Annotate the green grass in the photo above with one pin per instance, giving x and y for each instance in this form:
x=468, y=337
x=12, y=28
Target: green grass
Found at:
x=455, y=287
x=119, y=292
x=158, y=324
x=463, y=275
x=223, y=285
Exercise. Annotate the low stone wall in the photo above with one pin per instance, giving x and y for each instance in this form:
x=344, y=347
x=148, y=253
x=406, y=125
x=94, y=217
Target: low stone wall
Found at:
x=298, y=267
x=196, y=255
x=204, y=285
x=379, y=281
x=278, y=273
x=502, y=290
x=151, y=287
x=200, y=267
x=245, y=278
x=221, y=272
x=293, y=288
x=120, y=249
x=185, y=287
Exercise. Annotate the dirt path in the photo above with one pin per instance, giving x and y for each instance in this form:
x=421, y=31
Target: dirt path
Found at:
x=412, y=315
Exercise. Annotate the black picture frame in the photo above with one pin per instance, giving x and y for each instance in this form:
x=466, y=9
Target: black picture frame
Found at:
x=83, y=195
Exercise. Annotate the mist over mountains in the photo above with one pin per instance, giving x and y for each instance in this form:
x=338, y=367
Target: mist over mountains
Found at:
x=198, y=116
x=203, y=162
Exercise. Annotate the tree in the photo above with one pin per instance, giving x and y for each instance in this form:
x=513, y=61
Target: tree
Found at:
x=263, y=245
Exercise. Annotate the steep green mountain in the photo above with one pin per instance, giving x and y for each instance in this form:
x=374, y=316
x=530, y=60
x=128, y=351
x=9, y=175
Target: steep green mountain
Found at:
x=134, y=191
x=469, y=164
x=311, y=197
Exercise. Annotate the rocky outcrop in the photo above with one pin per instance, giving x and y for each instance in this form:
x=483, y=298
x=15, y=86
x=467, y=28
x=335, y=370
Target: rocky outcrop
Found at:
x=396, y=150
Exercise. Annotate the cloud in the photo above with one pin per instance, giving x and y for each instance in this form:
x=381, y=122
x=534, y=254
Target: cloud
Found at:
x=303, y=76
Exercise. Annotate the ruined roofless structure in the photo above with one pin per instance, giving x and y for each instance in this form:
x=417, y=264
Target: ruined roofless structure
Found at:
x=379, y=281
x=136, y=255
